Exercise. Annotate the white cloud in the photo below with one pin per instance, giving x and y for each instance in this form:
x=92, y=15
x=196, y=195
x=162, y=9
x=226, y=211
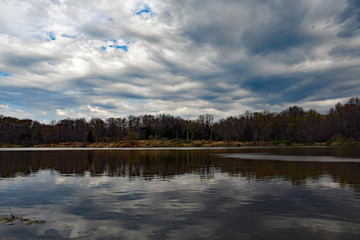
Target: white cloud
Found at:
x=64, y=112
x=6, y=110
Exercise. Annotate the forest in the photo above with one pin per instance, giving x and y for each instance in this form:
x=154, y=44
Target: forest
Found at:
x=293, y=125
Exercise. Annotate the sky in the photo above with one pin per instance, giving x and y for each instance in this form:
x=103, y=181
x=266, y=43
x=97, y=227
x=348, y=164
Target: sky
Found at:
x=102, y=58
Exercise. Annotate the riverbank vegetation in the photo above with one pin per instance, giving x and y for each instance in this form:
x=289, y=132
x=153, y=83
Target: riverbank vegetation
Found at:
x=339, y=126
x=12, y=219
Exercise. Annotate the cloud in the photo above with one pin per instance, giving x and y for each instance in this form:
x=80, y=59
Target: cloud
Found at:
x=350, y=18
x=6, y=110
x=182, y=58
x=275, y=30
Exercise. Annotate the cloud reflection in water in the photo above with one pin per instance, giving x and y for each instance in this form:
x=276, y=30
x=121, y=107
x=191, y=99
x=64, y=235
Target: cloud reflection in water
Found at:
x=176, y=195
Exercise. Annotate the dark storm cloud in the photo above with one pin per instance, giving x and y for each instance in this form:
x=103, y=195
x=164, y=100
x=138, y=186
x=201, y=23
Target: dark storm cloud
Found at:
x=283, y=34
x=345, y=51
x=280, y=30
x=218, y=24
x=350, y=18
x=98, y=31
x=294, y=88
x=30, y=97
x=23, y=61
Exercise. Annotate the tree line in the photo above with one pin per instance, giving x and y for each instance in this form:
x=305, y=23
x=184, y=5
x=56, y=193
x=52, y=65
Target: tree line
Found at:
x=293, y=125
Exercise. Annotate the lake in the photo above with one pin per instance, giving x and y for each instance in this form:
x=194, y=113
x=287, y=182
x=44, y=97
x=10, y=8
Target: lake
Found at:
x=193, y=193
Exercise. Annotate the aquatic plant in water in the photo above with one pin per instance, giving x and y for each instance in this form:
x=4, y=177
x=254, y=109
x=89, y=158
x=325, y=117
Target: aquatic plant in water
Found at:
x=11, y=219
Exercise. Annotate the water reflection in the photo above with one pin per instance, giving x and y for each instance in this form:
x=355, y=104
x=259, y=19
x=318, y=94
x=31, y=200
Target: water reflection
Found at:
x=293, y=164
x=180, y=195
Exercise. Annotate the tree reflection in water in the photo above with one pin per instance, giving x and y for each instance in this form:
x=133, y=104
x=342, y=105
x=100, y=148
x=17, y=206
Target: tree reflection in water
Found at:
x=166, y=164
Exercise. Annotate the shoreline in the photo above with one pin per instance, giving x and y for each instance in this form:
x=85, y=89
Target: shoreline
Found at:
x=177, y=144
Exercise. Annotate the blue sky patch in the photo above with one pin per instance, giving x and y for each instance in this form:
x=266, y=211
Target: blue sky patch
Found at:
x=146, y=9
x=123, y=47
x=68, y=36
x=143, y=11
x=5, y=74
x=270, y=84
x=105, y=106
x=51, y=35
x=140, y=101
x=114, y=43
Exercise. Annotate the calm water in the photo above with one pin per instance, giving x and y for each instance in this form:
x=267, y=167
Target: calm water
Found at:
x=244, y=193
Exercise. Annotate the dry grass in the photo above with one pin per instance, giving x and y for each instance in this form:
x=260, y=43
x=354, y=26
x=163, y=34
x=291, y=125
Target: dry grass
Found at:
x=183, y=143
